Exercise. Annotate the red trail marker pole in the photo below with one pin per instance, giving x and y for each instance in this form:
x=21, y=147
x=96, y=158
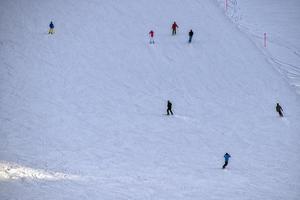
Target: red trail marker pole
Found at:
x=265, y=40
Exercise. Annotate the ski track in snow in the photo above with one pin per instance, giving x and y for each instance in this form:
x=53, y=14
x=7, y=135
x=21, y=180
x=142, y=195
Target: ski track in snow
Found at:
x=280, y=51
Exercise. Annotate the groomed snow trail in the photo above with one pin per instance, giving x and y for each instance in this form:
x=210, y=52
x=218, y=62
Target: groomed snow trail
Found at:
x=82, y=111
x=278, y=20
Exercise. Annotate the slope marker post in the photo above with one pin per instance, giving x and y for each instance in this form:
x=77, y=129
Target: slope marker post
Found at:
x=265, y=40
x=226, y=5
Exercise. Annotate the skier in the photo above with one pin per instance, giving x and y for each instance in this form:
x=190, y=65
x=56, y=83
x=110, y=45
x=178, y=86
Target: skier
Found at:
x=174, y=27
x=226, y=156
x=151, y=33
x=191, y=33
x=279, y=110
x=169, y=110
x=51, y=30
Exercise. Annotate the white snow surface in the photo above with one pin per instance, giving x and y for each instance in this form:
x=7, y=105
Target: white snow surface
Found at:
x=280, y=21
x=83, y=111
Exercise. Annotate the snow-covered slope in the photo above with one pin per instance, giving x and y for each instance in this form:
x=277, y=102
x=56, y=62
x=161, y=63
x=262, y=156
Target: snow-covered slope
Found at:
x=279, y=20
x=82, y=111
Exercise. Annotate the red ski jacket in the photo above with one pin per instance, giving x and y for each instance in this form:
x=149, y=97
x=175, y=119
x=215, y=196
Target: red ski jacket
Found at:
x=151, y=33
x=174, y=26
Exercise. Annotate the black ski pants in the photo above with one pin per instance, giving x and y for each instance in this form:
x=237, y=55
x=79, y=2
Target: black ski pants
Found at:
x=190, y=39
x=169, y=111
x=226, y=163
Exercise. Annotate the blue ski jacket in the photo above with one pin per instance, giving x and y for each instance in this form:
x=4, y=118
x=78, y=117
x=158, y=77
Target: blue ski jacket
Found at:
x=51, y=25
x=227, y=156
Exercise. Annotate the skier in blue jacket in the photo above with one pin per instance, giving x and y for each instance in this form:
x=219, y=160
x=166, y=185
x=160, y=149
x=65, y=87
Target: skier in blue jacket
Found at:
x=51, y=30
x=226, y=157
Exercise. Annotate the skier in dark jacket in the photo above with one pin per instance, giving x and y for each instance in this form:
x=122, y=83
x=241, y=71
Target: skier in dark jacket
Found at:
x=169, y=110
x=279, y=110
x=226, y=157
x=174, y=27
x=51, y=30
x=151, y=34
x=191, y=33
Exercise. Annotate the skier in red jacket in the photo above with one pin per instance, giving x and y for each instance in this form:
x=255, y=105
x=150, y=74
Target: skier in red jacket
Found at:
x=151, y=33
x=174, y=27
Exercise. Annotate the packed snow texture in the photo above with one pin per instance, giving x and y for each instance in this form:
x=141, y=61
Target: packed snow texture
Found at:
x=279, y=20
x=83, y=110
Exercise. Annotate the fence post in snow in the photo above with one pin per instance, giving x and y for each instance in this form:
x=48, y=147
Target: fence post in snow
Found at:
x=226, y=5
x=265, y=39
